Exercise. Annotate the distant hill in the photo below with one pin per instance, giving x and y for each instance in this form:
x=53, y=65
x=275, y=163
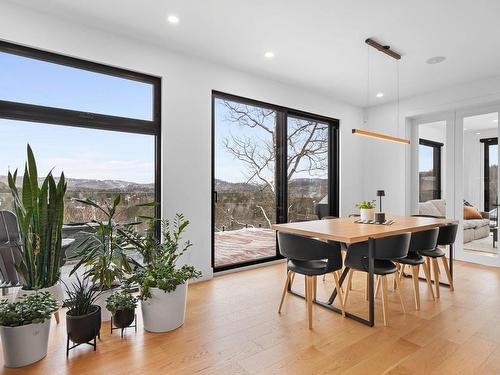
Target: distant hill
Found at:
x=298, y=184
x=89, y=184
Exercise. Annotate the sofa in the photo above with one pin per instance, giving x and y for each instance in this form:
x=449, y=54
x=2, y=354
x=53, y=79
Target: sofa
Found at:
x=474, y=229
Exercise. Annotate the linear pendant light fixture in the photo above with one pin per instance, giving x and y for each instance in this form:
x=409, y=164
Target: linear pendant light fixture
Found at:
x=387, y=50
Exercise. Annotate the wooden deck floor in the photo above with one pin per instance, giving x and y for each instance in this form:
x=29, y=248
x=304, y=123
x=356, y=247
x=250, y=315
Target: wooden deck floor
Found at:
x=232, y=327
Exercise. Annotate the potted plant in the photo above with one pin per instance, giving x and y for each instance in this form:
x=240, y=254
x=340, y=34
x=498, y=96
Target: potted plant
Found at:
x=83, y=318
x=40, y=213
x=101, y=253
x=163, y=284
x=122, y=305
x=366, y=210
x=24, y=328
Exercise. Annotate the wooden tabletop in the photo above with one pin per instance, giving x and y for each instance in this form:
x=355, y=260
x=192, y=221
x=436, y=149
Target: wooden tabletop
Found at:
x=347, y=231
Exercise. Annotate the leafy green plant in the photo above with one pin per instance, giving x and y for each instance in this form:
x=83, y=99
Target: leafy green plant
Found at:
x=121, y=300
x=81, y=297
x=33, y=308
x=366, y=204
x=40, y=213
x=160, y=269
x=101, y=253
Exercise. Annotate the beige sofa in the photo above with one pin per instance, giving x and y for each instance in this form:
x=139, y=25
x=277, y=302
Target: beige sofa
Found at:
x=473, y=229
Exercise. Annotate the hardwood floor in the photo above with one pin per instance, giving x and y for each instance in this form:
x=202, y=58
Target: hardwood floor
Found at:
x=232, y=327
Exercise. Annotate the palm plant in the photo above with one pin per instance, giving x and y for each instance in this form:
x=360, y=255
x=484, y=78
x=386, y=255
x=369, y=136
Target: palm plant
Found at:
x=40, y=213
x=101, y=253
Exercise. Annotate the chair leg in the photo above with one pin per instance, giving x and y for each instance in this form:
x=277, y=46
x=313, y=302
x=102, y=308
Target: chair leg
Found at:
x=285, y=289
x=292, y=278
x=339, y=292
x=398, y=266
x=400, y=294
x=56, y=315
x=416, y=287
x=435, y=268
x=448, y=273
x=427, y=271
x=349, y=280
x=315, y=286
x=384, y=299
x=377, y=286
x=309, y=298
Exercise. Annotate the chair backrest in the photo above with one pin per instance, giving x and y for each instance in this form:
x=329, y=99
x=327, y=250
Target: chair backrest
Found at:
x=423, y=240
x=297, y=247
x=447, y=234
x=10, y=243
x=394, y=247
x=329, y=217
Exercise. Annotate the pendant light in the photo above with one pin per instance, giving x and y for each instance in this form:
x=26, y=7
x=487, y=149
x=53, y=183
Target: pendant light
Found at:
x=386, y=50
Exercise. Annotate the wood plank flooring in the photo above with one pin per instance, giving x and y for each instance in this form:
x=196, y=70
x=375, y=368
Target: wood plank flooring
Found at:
x=232, y=327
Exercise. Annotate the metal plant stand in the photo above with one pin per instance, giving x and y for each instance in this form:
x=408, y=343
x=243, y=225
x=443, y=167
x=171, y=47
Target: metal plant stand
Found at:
x=130, y=326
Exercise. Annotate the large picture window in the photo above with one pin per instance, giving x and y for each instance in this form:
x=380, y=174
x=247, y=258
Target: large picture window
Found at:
x=429, y=170
x=270, y=165
x=100, y=125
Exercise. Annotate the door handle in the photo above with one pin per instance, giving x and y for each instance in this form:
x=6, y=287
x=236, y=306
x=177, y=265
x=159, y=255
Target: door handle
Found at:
x=215, y=197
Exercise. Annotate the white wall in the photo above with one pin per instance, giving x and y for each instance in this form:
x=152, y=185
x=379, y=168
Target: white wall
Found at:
x=386, y=165
x=186, y=110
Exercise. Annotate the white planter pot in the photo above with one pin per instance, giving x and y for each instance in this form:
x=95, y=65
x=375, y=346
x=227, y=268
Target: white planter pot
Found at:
x=164, y=312
x=101, y=301
x=367, y=213
x=55, y=290
x=25, y=344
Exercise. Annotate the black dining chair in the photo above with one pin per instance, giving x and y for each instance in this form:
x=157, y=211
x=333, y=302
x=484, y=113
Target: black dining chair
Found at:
x=419, y=241
x=387, y=250
x=312, y=258
x=446, y=237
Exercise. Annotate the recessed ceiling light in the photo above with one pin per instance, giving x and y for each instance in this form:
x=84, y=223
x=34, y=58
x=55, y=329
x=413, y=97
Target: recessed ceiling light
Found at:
x=435, y=60
x=379, y=94
x=173, y=19
x=269, y=54
x=495, y=120
x=478, y=133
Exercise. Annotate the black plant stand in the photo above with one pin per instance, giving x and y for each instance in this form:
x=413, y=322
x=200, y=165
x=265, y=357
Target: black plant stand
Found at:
x=93, y=344
x=130, y=326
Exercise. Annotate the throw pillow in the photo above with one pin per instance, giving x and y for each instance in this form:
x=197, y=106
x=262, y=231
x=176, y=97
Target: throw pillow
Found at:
x=471, y=213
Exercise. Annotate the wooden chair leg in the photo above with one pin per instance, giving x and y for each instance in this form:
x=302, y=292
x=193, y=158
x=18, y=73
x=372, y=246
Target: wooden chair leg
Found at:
x=398, y=266
x=427, y=272
x=292, y=278
x=435, y=268
x=339, y=293
x=400, y=293
x=448, y=273
x=416, y=287
x=349, y=280
x=384, y=299
x=315, y=286
x=285, y=289
x=56, y=315
x=309, y=298
x=377, y=286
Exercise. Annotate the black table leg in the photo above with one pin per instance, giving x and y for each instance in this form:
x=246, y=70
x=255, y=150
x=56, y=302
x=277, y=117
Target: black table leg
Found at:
x=371, y=286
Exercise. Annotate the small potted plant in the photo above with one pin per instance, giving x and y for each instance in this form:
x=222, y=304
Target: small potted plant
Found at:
x=122, y=305
x=83, y=318
x=366, y=210
x=163, y=284
x=24, y=328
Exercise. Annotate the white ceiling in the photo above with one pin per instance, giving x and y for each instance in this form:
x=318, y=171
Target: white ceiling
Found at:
x=318, y=44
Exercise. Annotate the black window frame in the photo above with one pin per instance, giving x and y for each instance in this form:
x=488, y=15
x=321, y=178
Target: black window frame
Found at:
x=437, y=164
x=487, y=142
x=282, y=114
x=74, y=118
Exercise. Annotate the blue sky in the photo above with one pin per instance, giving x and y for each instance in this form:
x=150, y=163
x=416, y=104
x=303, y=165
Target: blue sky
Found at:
x=81, y=153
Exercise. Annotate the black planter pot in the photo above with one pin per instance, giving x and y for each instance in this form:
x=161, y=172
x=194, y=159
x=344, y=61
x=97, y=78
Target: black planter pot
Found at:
x=123, y=318
x=85, y=328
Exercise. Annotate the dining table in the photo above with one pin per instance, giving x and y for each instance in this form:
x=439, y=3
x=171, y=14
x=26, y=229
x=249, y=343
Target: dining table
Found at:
x=349, y=230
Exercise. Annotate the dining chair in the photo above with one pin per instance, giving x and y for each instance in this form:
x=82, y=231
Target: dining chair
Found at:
x=312, y=258
x=446, y=237
x=419, y=241
x=387, y=250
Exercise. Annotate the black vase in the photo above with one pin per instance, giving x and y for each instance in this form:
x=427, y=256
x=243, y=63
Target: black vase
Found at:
x=84, y=328
x=123, y=318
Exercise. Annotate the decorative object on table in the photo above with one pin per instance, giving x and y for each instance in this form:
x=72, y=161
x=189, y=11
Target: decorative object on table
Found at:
x=379, y=217
x=388, y=51
x=83, y=318
x=386, y=222
x=24, y=328
x=122, y=305
x=102, y=255
x=380, y=194
x=40, y=212
x=163, y=284
x=366, y=210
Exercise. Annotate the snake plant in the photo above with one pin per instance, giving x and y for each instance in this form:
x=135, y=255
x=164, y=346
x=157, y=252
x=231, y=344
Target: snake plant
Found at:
x=40, y=213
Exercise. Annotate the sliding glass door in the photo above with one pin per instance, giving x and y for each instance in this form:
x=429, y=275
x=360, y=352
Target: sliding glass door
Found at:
x=270, y=165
